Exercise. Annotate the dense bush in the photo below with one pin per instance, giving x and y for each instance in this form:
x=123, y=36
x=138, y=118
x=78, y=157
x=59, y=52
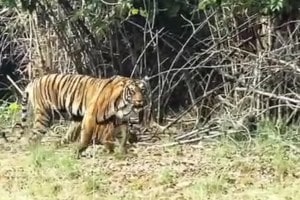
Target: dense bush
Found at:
x=207, y=58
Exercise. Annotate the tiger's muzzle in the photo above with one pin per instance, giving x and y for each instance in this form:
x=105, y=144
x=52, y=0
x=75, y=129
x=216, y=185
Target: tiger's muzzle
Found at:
x=138, y=105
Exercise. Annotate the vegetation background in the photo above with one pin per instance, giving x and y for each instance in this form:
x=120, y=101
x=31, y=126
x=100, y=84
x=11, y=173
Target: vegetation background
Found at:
x=224, y=89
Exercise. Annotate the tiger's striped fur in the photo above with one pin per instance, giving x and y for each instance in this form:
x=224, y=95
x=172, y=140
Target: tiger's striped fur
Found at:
x=81, y=98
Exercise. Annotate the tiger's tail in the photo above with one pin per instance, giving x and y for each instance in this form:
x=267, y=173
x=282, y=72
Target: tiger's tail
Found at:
x=19, y=128
x=24, y=104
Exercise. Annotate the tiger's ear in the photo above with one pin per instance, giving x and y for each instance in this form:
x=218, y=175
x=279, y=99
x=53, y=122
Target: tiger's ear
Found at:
x=146, y=78
x=144, y=83
x=115, y=76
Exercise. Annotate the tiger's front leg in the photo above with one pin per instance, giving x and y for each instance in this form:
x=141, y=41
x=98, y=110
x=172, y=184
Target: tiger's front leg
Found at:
x=124, y=132
x=108, y=140
x=86, y=133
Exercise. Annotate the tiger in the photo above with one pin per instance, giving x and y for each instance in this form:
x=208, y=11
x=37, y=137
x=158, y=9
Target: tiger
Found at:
x=80, y=98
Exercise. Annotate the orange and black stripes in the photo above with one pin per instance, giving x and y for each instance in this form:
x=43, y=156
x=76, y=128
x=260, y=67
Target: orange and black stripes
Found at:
x=82, y=98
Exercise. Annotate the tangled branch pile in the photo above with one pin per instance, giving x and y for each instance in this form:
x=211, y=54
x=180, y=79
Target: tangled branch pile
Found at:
x=231, y=64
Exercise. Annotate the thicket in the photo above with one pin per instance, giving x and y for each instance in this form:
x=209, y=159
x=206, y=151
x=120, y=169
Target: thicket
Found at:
x=226, y=61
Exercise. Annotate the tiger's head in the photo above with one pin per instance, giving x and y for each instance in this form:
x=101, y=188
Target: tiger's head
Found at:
x=134, y=94
x=123, y=98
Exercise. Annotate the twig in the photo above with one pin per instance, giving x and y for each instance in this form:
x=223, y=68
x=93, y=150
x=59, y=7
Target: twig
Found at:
x=191, y=107
x=14, y=84
x=269, y=94
x=110, y=4
x=293, y=147
x=143, y=52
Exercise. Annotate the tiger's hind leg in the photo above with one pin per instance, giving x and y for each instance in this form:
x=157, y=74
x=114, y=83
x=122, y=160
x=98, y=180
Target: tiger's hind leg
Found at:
x=42, y=121
x=73, y=133
x=19, y=130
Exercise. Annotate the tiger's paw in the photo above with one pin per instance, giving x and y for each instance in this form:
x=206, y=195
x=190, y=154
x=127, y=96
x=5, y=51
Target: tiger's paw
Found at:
x=64, y=141
x=107, y=151
x=123, y=150
x=34, y=139
x=82, y=155
x=79, y=149
x=132, y=138
x=59, y=144
x=120, y=156
x=77, y=154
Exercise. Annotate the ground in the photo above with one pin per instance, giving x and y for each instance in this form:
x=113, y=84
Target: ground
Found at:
x=261, y=168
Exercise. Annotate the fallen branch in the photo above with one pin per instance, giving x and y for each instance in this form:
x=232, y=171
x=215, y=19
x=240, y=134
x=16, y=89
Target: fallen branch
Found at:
x=189, y=134
x=182, y=142
x=195, y=132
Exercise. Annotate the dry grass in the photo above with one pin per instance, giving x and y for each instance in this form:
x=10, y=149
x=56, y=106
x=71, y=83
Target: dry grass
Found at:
x=264, y=169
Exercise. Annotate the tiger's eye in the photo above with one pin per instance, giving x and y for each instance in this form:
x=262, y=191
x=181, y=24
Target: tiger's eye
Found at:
x=132, y=92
